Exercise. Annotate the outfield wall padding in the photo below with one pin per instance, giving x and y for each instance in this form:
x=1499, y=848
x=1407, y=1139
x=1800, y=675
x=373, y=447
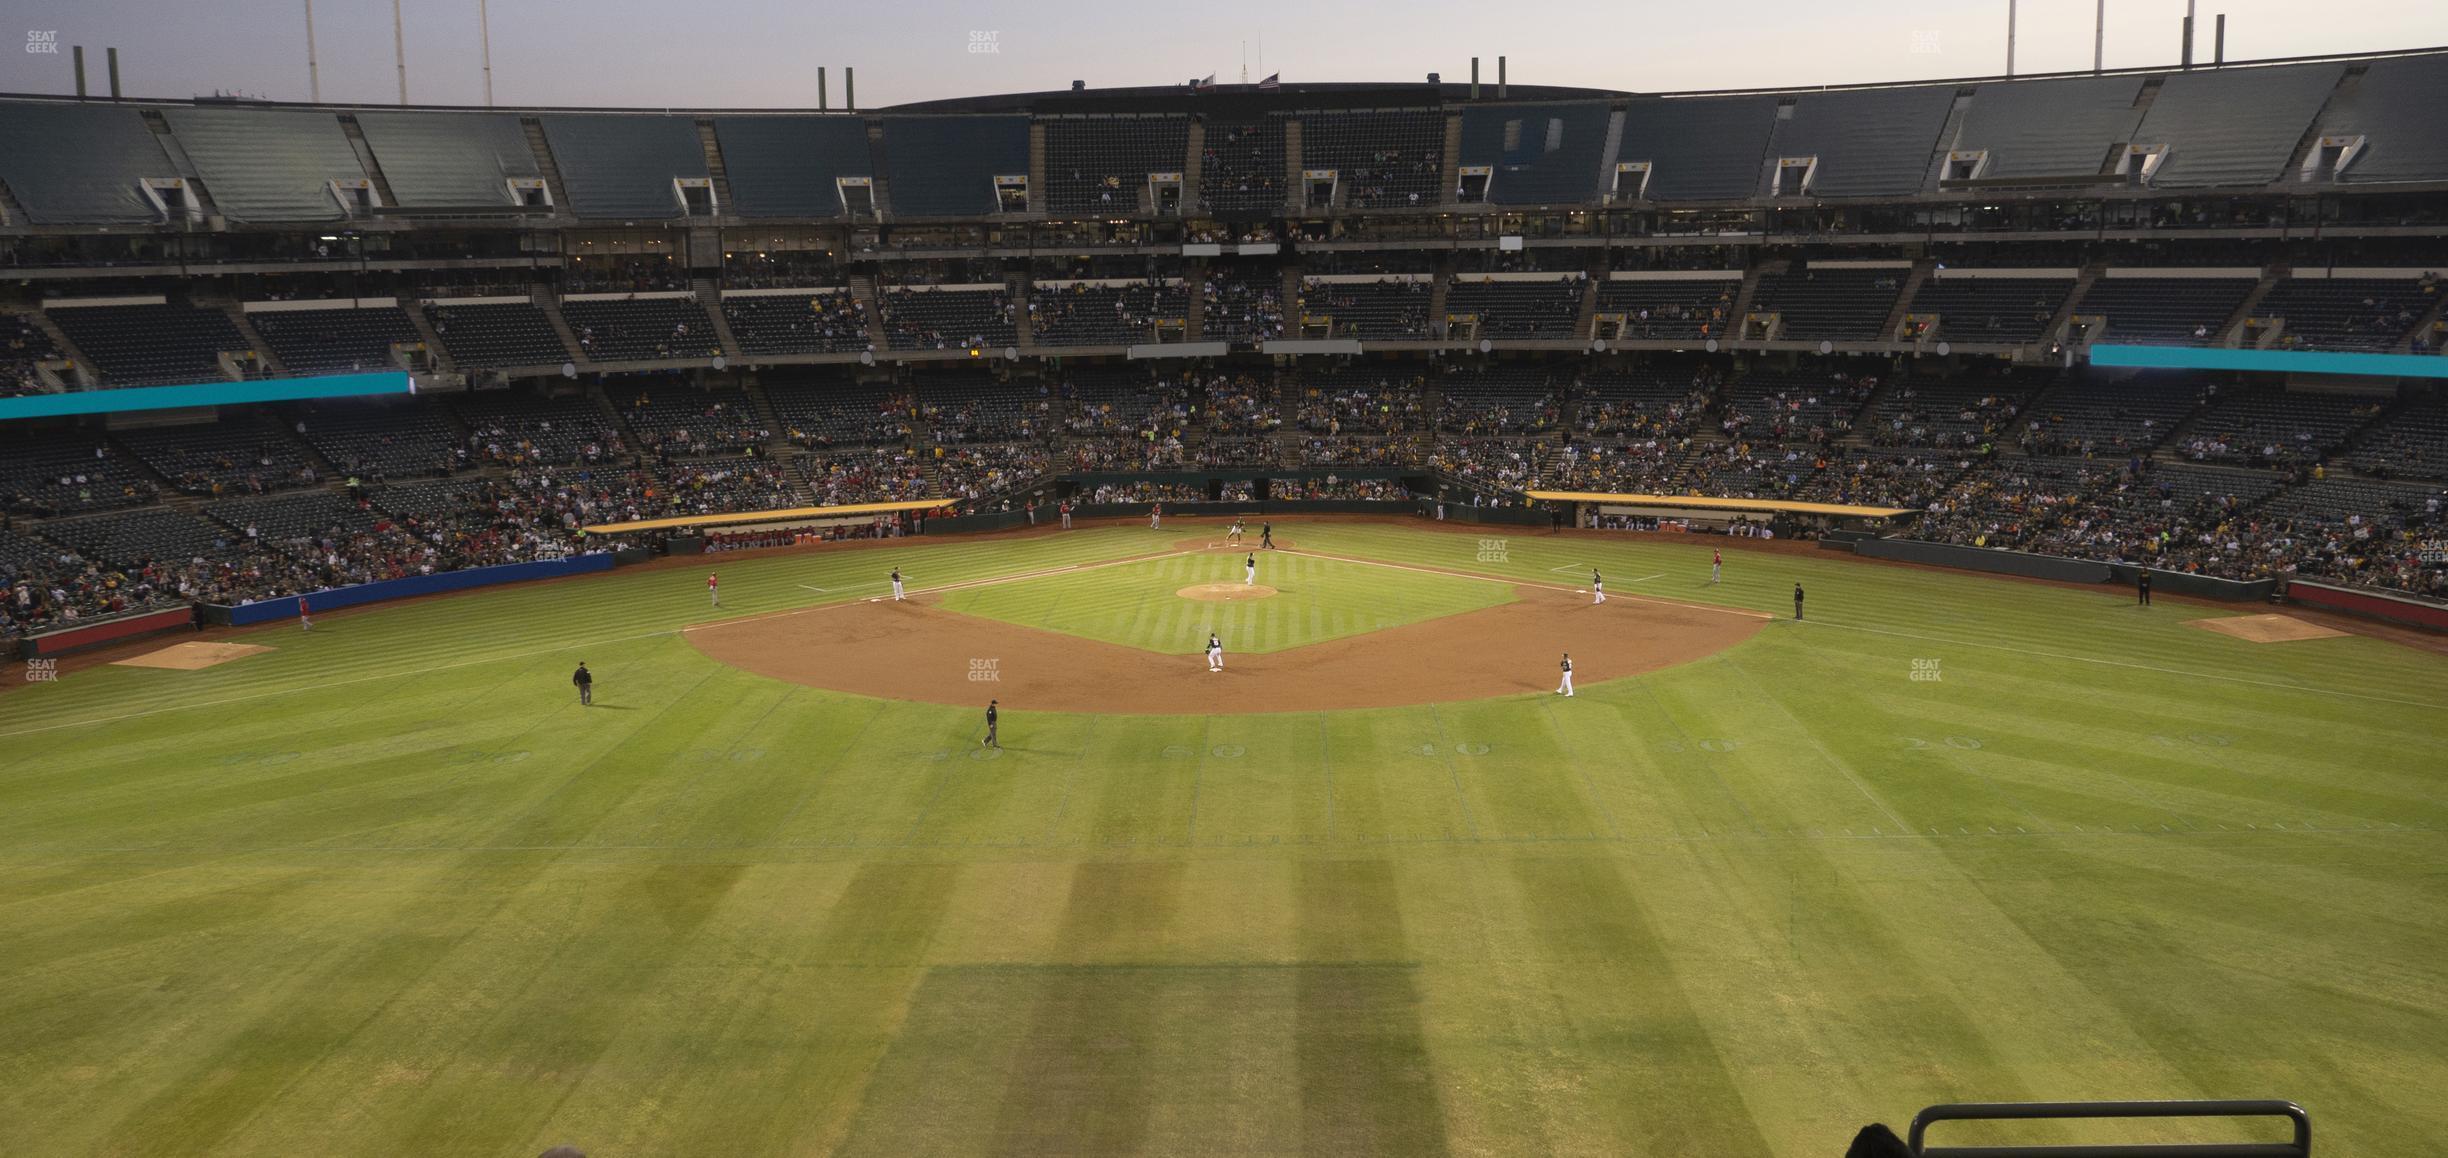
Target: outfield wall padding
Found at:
x=992, y=521
x=61, y=641
x=1499, y=516
x=2373, y=604
x=2165, y=582
x=333, y=599
x=1995, y=562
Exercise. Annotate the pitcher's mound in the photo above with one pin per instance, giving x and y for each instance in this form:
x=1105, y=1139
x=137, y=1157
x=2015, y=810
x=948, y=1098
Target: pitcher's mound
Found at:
x=2266, y=628
x=1225, y=592
x=192, y=656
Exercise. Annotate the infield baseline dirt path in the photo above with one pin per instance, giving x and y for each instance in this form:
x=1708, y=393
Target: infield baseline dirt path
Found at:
x=918, y=651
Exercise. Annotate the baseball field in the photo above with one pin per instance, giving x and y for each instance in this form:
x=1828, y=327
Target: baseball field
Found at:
x=386, y=887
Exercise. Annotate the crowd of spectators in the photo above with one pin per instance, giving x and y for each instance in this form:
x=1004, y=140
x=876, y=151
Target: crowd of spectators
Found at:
x=1499, y=463
x=1144, y=452
x=879, y=475
x=2069, y=474
x=1382, y=406
x=22, y=343
x=1331, y=450
x=1247, y=307
x=1333, y=487
x=976, y=472
x=1148, y=492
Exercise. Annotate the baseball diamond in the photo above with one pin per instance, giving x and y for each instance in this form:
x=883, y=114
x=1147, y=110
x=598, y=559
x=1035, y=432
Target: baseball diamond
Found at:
x=1376, y=889
x=1743, y=587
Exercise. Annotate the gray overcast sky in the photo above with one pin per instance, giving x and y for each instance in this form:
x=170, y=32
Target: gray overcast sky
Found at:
x=764, y=53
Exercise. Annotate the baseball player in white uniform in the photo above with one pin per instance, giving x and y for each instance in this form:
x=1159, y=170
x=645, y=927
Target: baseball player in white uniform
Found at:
x=1249, y=571
x=1215, y=653
x=1565, y=688
x=1597, y=587
x=896, y=578
x=1235, y=533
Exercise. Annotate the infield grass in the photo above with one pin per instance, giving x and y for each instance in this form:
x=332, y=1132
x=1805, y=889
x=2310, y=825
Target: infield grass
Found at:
x=1139, y=605
x=388, y=889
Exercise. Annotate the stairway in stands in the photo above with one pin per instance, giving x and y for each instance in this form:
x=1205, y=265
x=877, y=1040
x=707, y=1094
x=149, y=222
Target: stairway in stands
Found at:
x=12, y=212
x=1891, y=331
x=1451, y=162
x=546, y=167
x=715, y=172
x=709, y=295
x=863, y=289
x=550, y=302
x=2230, y=331
x=365, y=158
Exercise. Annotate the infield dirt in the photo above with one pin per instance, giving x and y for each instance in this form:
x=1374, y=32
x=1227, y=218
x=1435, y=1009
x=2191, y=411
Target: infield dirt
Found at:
x=917, y=651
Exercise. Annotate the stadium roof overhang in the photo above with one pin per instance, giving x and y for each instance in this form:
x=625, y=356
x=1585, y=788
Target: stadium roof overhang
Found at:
x=742, y=518
x=1737, y=506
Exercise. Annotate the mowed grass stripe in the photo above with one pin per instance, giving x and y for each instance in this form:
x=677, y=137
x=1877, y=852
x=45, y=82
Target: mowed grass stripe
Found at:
x=720, y=914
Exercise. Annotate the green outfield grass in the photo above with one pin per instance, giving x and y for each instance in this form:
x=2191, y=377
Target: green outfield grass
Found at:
x=388, y=889
x=1136, y=605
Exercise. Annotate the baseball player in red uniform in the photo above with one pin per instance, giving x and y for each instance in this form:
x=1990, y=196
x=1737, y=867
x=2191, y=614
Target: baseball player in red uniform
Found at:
x=1156, y=517
x=714, y=589
x=1716, y=565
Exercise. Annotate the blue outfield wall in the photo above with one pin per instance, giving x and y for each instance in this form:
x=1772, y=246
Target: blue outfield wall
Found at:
x=272, y=610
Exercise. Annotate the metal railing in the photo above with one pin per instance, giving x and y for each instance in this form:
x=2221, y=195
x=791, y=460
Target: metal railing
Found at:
x=2300, y=1147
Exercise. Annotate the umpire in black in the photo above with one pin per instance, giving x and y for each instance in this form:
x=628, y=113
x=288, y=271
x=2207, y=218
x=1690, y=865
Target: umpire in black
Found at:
x=2142, y=586
x=989, y=741
x=585, y=682
x=1797, y=601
